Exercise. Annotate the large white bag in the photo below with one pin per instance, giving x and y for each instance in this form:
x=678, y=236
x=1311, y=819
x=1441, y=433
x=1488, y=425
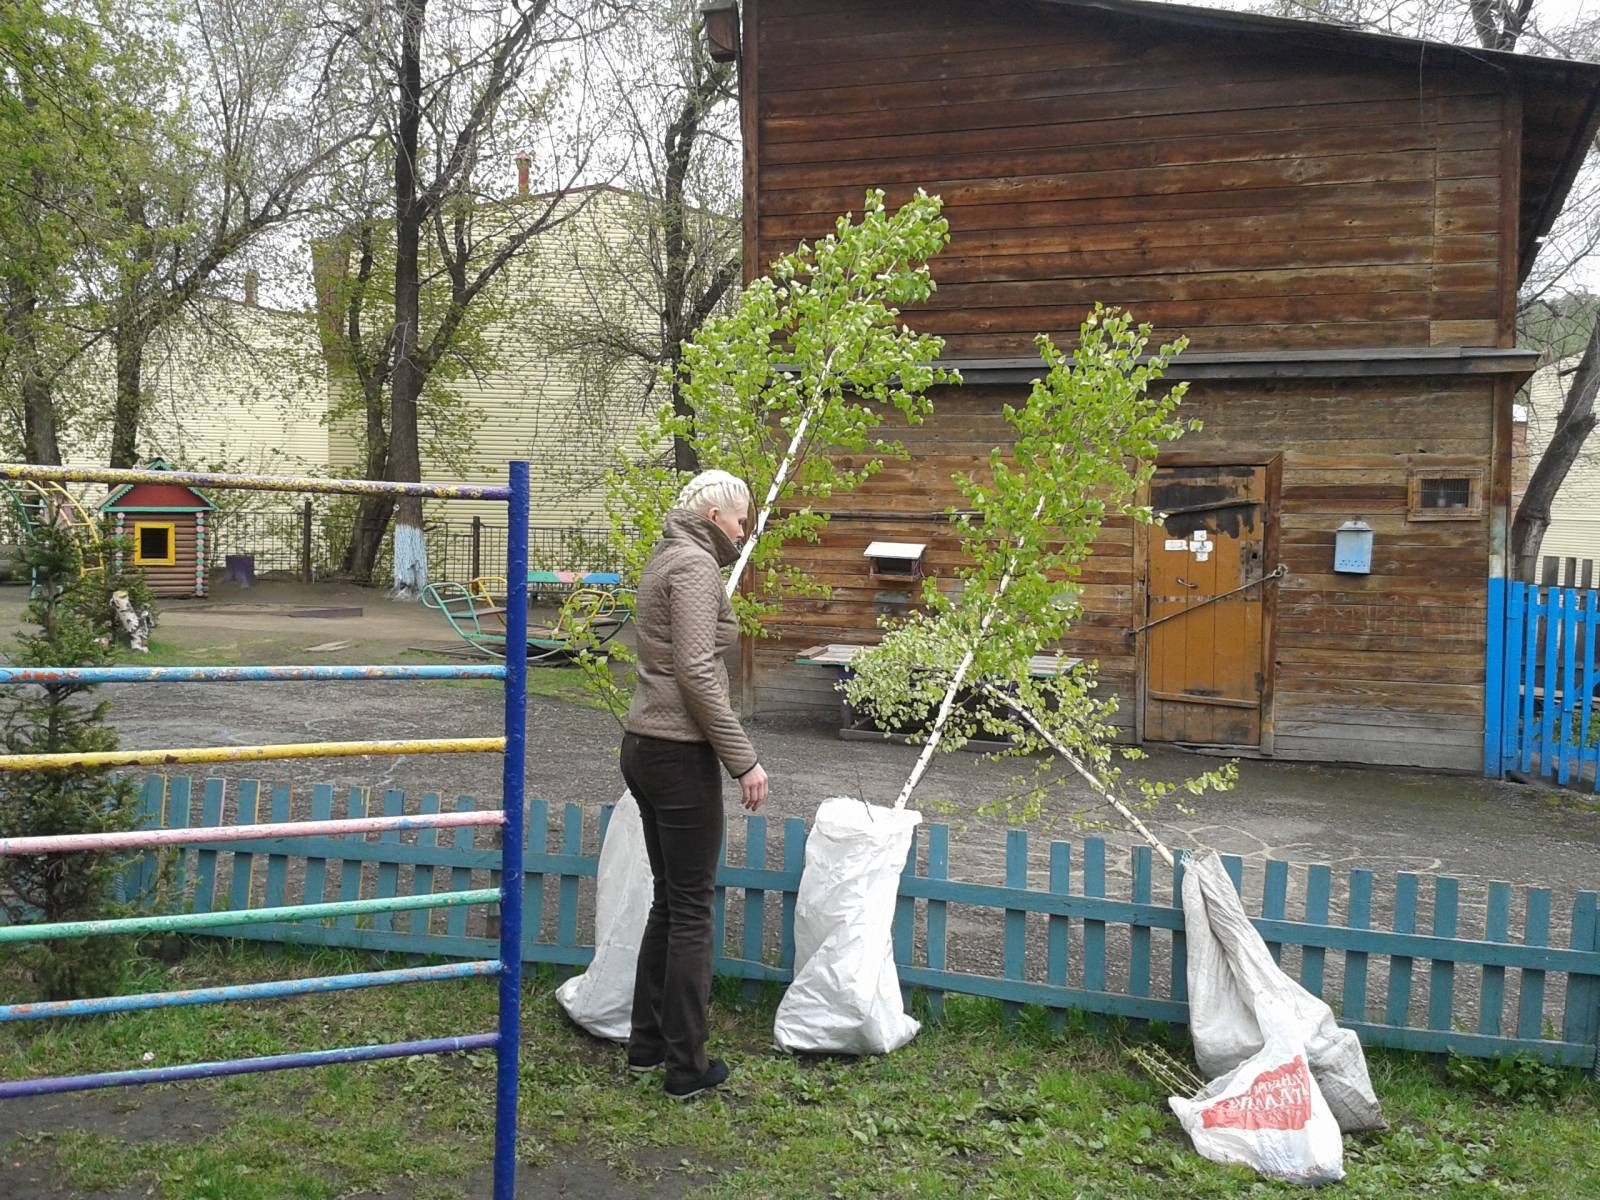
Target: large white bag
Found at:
x=601, y=999
x=845, y=998
x=1236, y=990
x=1267, y=1113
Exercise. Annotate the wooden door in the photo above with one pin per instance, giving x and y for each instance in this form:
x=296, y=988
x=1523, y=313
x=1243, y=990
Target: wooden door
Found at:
x=1203, y=664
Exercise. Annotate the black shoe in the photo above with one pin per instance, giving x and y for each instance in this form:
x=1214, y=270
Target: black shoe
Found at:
x=641, y=1067
x=716, y=1074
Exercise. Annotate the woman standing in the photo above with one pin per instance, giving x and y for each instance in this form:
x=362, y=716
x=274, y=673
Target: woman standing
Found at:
x=678, y=727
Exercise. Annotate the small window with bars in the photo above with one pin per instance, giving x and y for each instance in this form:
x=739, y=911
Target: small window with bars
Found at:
x=1445, y=494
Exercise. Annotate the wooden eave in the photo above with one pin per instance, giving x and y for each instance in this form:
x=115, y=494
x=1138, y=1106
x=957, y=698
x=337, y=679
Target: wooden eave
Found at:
x=1291, y=364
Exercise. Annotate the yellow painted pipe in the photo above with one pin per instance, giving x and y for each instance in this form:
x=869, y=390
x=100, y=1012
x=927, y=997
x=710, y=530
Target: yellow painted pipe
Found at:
x=230, y=754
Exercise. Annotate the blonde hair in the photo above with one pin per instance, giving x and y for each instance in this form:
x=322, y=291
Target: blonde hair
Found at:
x=714, y=489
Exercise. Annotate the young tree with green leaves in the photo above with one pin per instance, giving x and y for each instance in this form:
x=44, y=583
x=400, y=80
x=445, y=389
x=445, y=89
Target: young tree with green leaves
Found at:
x=803, y=367
x=71, y=608
x=1085, y=447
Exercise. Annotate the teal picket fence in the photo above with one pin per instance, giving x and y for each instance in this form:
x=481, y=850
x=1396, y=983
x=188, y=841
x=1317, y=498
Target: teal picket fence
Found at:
x=1411, y=961
x=1541, y=683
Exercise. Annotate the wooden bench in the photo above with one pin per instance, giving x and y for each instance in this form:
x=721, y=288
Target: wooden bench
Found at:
x=855, y=726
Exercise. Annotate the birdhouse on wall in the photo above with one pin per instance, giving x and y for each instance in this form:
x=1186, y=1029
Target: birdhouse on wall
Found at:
x=166, y=523
x=900, y=561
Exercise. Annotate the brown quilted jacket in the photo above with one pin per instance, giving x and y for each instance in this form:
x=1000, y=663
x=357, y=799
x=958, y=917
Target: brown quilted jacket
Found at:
x=685, y=625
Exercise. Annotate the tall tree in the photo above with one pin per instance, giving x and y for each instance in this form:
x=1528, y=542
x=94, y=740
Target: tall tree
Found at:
x=1542, y=27
x=461, y=85
x=668, y=258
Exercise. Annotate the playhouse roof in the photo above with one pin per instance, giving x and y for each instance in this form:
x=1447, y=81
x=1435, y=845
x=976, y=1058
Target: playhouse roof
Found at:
x=156, y=497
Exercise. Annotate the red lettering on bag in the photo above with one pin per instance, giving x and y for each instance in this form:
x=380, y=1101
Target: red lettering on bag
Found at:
x=1276, y=1099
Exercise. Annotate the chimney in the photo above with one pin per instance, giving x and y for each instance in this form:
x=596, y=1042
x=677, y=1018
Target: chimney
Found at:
x=523, y=163
x=251, y=279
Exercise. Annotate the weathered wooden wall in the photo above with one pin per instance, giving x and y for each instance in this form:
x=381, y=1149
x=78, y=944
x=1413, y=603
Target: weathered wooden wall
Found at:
x=1386, y=667
x=1246, y=198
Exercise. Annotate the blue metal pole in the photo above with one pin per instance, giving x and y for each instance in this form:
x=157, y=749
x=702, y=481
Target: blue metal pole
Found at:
x=511, y=833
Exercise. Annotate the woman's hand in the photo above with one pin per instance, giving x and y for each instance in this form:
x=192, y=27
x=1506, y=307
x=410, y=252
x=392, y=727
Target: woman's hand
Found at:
x=753, y=787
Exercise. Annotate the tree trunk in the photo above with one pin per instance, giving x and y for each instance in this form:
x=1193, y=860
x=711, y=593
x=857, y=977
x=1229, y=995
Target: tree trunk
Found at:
x=129, y=341
x=40, y=443
x=1573, y=425
x=373, y=512
x=405, y=385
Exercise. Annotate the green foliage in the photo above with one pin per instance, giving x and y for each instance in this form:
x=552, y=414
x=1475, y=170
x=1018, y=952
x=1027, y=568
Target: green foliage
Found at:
x=1520, y=1078
x=1085, y=447
x=819, y=341
x=73, y=617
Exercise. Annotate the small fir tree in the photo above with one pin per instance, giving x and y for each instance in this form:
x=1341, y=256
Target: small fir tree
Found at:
x=72, y=611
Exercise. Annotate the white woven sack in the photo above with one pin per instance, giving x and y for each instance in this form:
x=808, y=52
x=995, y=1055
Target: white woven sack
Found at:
x=1269, y=1114
x=1235, y=989
x=845, y=998
x=601, y=999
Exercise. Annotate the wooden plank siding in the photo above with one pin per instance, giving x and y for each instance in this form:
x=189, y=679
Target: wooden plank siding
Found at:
x=1362, y=663
x=1246, y=199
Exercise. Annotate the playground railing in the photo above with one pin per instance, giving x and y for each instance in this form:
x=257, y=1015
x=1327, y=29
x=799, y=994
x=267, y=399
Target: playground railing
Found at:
x=506, y=894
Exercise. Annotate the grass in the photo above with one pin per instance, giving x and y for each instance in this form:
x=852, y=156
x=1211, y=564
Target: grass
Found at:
x=972, y=1107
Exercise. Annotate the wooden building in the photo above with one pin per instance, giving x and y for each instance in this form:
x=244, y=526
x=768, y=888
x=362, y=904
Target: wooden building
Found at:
x=1338, y=221
x=166, y=524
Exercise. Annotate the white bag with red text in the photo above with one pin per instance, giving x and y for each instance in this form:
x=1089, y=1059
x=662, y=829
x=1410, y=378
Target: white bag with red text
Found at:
x=1269, y=1114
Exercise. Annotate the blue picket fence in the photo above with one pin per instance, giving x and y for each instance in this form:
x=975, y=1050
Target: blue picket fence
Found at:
x=1540, y=683
x=1485, y=990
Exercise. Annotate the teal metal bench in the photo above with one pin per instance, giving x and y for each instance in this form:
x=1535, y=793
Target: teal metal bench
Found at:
x=589, y=618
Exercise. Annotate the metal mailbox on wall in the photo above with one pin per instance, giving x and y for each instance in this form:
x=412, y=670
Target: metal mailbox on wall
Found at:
x=1352, y=548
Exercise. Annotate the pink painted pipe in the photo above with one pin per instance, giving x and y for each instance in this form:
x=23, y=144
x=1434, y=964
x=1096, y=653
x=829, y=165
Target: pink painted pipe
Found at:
x=144, y=839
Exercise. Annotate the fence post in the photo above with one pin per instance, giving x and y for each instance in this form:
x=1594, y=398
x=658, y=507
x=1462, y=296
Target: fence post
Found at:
x=477, y=547
x=1494, y=716
x=305, y=542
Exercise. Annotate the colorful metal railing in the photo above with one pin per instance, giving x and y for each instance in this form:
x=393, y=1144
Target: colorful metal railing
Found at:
x=508, y=820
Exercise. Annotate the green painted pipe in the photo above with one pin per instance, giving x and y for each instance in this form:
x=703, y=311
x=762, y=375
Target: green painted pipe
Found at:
x=177, y=922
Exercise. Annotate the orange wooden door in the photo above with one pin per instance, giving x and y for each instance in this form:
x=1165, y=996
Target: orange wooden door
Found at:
x=1203, y=671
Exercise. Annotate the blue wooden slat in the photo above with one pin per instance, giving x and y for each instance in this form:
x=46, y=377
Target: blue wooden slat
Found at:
x=350, y=870
x=278, y=864
x=1179, y=979
x=1581, y=1020
x=538, y=838
x=316, y=865
x=1319, y=886
x=938, y=924
x=205, y=861
x=905, y=915
x=1397, y=1011
x=1530, y=1000
x=1496, y=928
x=1094, y=932
x=421, y=921
x=1511, y=677
x=1532, y=611
x=180, y=802
x=567, y=891
x=144, y=876
x=1058, y=929
x=1493, y=675
x=794, y=857
x=1569, y=684
x=1442, y=971
x=1016, y=928
x=1549, y=734
x=1142, y=869
x=455, y=925
x=1275, y=900
x=606, y=811
x=394, y=805
x=1358, y=916
x=755, y=899
x=239, y=885
x=1587, y=681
